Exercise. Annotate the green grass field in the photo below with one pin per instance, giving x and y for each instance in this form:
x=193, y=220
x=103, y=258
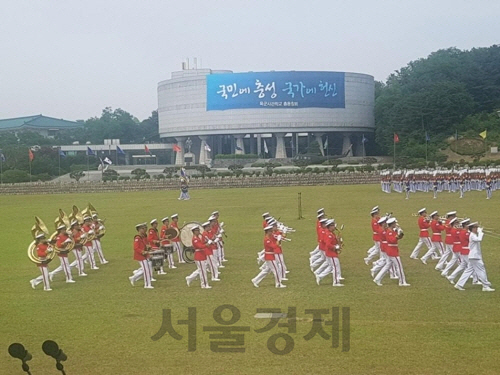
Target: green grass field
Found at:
x=105, y=325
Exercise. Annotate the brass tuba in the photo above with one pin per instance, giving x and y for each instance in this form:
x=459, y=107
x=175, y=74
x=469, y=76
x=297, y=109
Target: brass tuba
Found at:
x=63, y=219
x=39, y=229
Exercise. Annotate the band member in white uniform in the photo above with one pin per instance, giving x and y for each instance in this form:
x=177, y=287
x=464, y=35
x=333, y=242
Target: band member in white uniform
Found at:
x=476, y=264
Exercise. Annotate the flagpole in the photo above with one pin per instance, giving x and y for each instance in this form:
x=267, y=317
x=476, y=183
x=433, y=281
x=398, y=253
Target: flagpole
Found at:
x=1, y=170
x=394, y=153
x=116, y=156
x=88, y=171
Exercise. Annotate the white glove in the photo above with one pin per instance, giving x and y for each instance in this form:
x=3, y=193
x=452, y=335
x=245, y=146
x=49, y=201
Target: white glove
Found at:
x=91, y=231
x=479, y=230
x=279, y=237
x=101, y=227
x=209, y=242
x=337, y=247
x=222, y=230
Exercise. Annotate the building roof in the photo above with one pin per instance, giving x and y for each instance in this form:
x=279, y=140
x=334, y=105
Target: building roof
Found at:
x=37, y=122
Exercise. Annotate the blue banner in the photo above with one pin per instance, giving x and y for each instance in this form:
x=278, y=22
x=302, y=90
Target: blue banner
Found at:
x=275, y=90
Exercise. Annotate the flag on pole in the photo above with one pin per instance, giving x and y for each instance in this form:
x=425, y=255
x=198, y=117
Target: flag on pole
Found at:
x=119, y=150
x=176, y=148
x=239, y=148
x=326, y=143
x=207, y=148
x=483, y=134
x=183, y=173
x=2, y=157
x=265, y=147
x=62, y=154
x=30, y=154
x=396, y=138
x=90, y=152
x=427, y=138
x=364, y=139
x=107, y=160
x=146, y=150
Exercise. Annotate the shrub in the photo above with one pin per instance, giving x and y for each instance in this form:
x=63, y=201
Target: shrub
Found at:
x=123, y=178
x=224, y=173
x=15, y=175
x=234, y=167
x=159, y=176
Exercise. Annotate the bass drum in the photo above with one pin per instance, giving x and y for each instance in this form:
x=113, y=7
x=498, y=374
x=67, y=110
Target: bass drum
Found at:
x=186, y=236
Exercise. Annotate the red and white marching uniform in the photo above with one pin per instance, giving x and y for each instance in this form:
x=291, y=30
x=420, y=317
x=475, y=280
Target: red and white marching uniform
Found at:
x=270, y=266
x=141, y=255
x=89, y=254
x=423, y=237
x=96, y=243
x=437, y=244
x=464, y=255
x=448, y=246
x=457, y=247
x=392, y=251
x=316, y=251
x=42, y=250
x=177, y=243
x=212, y=264
x=61, y=242
x=200, y=258
x=165, y=242
x=374, y=251
x=476, y=265
x=332, y=259
x=321, y=257
x=77, y=252
x=154, y=241
x=384, y=258
x=280, y=261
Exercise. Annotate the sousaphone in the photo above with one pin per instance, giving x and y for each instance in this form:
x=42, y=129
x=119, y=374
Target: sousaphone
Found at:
x=39, y=228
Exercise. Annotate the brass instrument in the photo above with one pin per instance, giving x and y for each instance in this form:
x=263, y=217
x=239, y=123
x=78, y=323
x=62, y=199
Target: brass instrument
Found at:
x=340, y=238
x=38, y=229
x=63, y=219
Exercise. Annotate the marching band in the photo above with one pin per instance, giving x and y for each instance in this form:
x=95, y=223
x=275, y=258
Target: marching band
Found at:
x=68, y=238
x=458, y=255
x=437, y=181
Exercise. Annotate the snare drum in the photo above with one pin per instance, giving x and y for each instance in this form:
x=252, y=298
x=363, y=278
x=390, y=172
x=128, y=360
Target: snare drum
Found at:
x=157, y=259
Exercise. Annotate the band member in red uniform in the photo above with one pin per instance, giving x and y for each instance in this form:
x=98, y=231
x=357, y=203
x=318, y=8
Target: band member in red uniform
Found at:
x=166, y=243
x=177, y=241
x=63, y=243
x=220, y=231
x=78, y=248
x=89, y=254
x=208, y=238
x=374, y=251
x=42, y=249
x=332, y=248
x=141, y=254
x=384, y=259
x=437, y=245
x=200, y=258
x=464, y=252
x=154, y=241
x=448, y=240
x=98, y=227
x=280, y=261
x=270, y=246
x=457, y=247
x=423, y=237
x=320, y=258
x=392, y=237
x=316, y=252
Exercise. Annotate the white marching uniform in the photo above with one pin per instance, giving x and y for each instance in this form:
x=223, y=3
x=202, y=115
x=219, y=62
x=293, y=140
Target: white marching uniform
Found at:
x=476, y=264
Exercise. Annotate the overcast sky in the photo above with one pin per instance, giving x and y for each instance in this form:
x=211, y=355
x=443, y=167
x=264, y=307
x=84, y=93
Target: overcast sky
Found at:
x=71, y=58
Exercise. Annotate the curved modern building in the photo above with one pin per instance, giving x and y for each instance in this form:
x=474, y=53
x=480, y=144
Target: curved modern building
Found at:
x=272, y=113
